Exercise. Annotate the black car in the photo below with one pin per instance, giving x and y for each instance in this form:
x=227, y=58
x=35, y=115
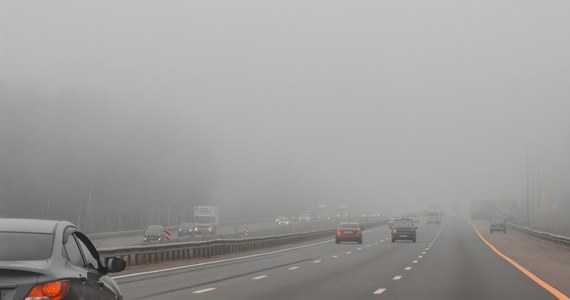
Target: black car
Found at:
x=154, y=233
x=186, y=229
x=52, y=260
x=498, y=224
x=404, y=230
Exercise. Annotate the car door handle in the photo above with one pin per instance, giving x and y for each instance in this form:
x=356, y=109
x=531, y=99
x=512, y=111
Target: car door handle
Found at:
x=101, y=284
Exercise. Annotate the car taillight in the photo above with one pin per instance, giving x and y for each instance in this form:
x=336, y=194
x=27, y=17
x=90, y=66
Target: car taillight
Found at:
x=54, y=290
x=394, y=231
x=338, y=233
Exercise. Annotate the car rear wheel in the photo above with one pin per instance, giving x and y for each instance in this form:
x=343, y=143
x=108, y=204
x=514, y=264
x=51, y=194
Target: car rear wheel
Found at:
x=360, y=241
x=337, y=241
x=414, y=240
x=393, y=240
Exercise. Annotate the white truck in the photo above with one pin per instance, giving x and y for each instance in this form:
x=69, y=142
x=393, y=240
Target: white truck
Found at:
x=206, y=220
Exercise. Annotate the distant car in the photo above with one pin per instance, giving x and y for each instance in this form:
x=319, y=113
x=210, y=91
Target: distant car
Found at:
x=434, y=218
x=392, y=220
x=498, y=224
x=283, y=221
x=414, y=217
x=348, y=232
x=404, y=230
x=304, y=217
x=154, y=233
x=47, y=260
x=185, y=229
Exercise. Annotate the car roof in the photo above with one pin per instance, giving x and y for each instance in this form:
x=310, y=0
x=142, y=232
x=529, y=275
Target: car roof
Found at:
x=28, y=225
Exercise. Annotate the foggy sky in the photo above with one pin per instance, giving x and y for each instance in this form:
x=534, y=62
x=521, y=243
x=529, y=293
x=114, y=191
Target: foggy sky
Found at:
x=389, y=105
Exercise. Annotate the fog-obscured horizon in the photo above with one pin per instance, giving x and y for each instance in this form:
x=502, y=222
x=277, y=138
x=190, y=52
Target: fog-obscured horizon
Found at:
x=130, y=112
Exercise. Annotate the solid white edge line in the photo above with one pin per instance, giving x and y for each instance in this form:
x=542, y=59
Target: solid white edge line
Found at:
x=203, y=291
x=379, y=291
x=221, y=261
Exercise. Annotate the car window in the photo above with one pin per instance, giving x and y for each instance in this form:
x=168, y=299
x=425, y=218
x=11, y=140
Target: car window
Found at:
x=90, y=260
x=73, y=252
x=25, y=246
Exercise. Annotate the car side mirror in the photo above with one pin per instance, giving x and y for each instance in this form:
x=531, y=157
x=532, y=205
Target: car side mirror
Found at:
x=115, y=264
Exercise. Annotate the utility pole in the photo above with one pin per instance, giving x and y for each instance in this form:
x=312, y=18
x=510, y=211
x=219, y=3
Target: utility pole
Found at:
x=527, y=190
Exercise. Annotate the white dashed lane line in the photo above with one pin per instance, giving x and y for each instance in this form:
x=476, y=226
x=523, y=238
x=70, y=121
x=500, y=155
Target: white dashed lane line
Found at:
x=334, y=256
x=293, y=268
x=397, y=277
x=415, y=262
x=204, y=291
x=317, y=261
x=424, y=252
x=367, y=246
x=348, y=252
x=379, y=291
x=259, y=277
x=408, y=268
x=420, y=256
x=358, y=249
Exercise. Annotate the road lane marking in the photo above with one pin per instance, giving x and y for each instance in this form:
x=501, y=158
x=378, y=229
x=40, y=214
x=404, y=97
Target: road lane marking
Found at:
x=293, y=268
x=526, y=272
x=427, y=249
x=259, y=277
x=317, y=261
x=375, y=243
x=358, y=249
x=379, y=291
x=367, y=246
x=420, y=256
x=348, y=252
x=223, y=260
x=408, y=268
x=397, y=277
x=334, y=256
x=204, y=291
x=415, y=262
x=423, y=252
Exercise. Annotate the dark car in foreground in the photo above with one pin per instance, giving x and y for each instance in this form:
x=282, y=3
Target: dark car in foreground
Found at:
x=498, y=224
x=154, y=233
x=52, y=260
x=404, y=230
x=348, y=232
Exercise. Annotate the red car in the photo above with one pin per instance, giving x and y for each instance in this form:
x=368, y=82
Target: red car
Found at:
x=348, y=232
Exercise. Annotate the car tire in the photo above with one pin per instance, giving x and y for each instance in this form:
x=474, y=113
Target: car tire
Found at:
x=337, y=242
x=393, y=240
x=360, y=241
x=414, y=240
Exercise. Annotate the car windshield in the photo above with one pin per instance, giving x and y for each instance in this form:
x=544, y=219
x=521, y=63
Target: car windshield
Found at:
x=25, y=246
x=154, y=229
x=203, y=219
x=348, y=225
x=185, y=225
x=404, y=225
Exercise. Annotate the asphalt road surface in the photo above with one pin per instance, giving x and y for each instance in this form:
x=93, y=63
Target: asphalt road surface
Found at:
x=449, y=261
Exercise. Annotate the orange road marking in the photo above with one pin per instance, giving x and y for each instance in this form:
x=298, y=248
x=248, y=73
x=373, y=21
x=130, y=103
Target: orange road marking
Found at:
x=530, y=275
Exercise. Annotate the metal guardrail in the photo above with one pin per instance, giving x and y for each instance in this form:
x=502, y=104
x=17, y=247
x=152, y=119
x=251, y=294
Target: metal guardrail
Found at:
x=148, y=254
x=543, y=235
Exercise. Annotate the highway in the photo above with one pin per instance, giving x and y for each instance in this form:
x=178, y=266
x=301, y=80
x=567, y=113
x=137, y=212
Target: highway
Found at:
x=448, y=261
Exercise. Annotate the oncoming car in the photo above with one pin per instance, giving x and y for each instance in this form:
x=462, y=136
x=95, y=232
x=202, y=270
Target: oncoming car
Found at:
x=52, y=260
x=154, y=233
x=185, y=228
x=348, y=232
x=404, y=230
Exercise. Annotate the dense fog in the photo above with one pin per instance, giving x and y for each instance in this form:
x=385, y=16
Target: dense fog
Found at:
x=118, y=114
